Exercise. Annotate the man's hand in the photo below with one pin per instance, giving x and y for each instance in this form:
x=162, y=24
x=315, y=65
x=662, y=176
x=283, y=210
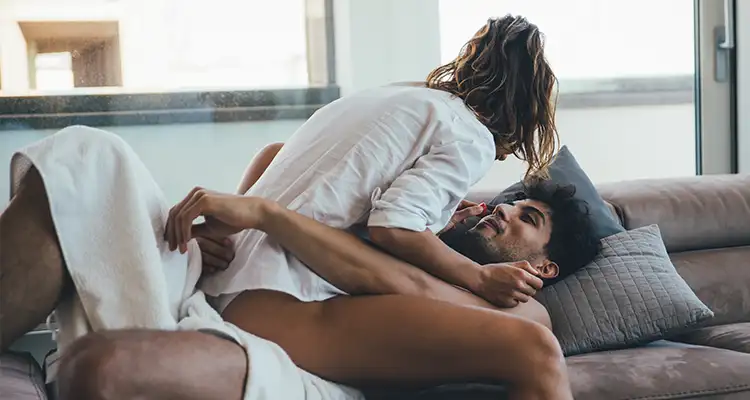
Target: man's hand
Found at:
x=465, y=210
x=225, y=214
x=507, y=284
x=216, y=253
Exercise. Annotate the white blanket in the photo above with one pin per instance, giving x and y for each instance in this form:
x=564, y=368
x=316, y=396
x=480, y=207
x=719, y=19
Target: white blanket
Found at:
x=110, y=217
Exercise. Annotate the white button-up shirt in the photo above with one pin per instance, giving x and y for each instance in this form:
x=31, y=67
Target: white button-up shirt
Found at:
x=394, y=156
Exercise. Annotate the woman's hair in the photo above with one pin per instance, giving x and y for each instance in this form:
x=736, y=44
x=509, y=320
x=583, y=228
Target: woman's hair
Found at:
x=503, y=76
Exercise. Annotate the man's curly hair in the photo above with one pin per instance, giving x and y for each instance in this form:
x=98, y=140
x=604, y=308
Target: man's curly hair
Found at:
x=572, y=243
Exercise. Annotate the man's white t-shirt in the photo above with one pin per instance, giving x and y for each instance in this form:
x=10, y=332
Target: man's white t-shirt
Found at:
x=393, y=156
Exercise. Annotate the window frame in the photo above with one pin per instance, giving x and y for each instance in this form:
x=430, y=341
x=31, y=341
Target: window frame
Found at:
x=623, y=92
x=177, y=107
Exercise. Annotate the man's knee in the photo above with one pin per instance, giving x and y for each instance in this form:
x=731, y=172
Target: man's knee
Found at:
x=540, y=349
x=93, y=368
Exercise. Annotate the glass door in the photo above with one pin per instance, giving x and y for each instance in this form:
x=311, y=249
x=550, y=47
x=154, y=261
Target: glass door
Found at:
x=742, y=27
x=715, y=93
x=642, y=93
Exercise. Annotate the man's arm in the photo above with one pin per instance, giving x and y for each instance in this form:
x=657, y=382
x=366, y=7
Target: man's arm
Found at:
x=358, y=268
x=426, y=250
x=217, y=252
x=362, y=269
x=348, y=263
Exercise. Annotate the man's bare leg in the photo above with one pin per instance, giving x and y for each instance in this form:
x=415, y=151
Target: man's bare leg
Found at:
x=153, y=365
x=402, y=340
x=110, y=365
x=32, y=272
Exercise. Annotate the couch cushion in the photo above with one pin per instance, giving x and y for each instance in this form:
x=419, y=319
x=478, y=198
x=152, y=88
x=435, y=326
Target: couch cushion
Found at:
x=720, y=279
x=731, y=337
x=20, y=377
x=660, y=373
x=630, y=294
x=565, y=170
x=662, y=370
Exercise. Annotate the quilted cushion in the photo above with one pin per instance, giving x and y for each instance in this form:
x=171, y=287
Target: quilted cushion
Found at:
x=630, y=294
x=20, y=377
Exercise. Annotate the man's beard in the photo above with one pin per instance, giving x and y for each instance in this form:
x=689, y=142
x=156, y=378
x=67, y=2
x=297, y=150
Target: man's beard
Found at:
x=467, y=241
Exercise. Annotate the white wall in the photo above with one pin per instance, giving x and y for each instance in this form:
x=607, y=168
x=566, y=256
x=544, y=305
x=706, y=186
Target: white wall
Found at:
x=179, y=156
x=611, y=144
x=621, y=143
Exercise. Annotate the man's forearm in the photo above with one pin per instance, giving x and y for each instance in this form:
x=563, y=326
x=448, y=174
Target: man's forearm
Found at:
x=352, y=265
x=428, y=252
x=358, y=268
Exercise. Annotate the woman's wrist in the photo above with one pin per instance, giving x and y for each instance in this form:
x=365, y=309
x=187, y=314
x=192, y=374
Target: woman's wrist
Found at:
x=269, y=213
x=474, y=277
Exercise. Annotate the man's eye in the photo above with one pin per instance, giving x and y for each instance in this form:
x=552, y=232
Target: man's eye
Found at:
x=527, y=219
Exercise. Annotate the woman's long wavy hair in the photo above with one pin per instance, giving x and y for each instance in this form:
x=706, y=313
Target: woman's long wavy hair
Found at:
x=503, y=76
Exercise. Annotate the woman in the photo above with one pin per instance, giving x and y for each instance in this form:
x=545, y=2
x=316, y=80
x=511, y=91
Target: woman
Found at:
x=397, y=161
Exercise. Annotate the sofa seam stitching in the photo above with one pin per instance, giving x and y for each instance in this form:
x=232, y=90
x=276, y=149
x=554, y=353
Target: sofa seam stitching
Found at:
x=722, y=390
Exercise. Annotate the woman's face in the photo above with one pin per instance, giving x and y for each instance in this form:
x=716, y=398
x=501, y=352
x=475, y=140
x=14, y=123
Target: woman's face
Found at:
x=502, y=152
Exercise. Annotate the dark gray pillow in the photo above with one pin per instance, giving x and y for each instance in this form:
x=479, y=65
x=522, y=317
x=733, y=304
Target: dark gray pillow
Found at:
x=630, y=294
x=565, y=170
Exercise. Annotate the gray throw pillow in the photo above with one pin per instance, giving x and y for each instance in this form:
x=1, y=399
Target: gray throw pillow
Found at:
x=563, y=171
x=630, y=294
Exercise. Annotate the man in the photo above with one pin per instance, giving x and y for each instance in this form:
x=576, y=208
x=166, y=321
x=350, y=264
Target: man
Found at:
x=157, y=364
x=568, y=247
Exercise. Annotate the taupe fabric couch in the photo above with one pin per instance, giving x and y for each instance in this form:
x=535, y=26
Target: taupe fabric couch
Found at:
x=705, y=223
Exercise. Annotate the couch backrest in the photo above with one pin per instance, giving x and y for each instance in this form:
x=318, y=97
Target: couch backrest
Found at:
x=705, y=224
x=692, y=213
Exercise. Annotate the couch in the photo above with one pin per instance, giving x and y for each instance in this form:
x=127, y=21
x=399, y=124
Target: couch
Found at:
x=705, y=224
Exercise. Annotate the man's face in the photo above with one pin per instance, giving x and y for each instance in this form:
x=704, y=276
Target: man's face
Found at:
x=517, y=231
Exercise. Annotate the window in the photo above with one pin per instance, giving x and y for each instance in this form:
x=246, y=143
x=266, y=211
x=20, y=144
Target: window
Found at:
x=592, y=44
x=88, y=51
x=176, y=45
x=53, y=71
x=162, y=61
x=626, y=72
x=632, y=88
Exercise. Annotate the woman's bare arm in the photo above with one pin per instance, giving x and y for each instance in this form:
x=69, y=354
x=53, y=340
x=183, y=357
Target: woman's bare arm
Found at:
x=258, y=166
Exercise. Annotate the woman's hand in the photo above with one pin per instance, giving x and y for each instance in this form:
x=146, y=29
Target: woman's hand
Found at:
x=225, y=214
x=465, y=210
